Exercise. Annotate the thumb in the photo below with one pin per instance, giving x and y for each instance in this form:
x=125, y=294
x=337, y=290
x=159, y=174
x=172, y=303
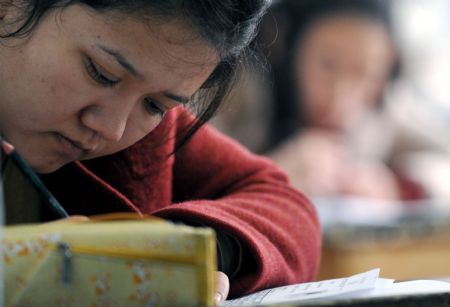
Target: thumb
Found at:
x=222, y=288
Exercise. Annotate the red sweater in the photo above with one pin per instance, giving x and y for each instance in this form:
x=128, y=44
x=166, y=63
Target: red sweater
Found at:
x=211, y=180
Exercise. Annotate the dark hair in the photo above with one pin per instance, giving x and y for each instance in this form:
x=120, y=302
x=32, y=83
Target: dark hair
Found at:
x=294, y=19
x=229, y=25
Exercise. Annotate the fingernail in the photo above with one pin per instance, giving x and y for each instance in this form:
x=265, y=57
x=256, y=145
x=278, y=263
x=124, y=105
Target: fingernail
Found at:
x=7, y=148
x=218, y=298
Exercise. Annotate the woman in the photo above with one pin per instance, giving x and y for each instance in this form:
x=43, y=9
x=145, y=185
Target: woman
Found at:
x=93, y=95
x=332, y=62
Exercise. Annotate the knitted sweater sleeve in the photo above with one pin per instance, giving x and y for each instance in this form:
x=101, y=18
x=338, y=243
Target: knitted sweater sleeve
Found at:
x=222, y=185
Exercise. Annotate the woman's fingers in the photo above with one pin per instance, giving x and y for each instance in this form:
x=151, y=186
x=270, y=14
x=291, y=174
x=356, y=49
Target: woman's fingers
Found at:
x=77, y=218
x=222, y=288
x=72, y=219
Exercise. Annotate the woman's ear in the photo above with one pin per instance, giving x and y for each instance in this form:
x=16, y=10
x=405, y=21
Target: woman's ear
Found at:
x=9, y=15
x=5, y=5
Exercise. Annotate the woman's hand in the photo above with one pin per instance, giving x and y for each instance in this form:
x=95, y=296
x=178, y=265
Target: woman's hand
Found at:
x=222, y=288
x=72, y=219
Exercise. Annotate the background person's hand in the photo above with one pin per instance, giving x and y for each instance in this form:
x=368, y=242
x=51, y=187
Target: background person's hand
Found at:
x=313, y=161
x=369, y=179
x=222, y=288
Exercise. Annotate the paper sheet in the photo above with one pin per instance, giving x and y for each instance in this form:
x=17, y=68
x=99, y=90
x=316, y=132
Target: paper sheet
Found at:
x=309, y=291
x=412, y=287
x=363, y=285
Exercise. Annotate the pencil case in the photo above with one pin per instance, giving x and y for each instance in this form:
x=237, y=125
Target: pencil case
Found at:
x=146, y=262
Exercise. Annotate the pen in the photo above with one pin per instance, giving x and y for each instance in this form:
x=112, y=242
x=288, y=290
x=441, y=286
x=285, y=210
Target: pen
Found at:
x=26, y=169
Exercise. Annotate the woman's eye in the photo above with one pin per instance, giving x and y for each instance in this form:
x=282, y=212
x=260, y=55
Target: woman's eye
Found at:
x=98, y=76
x=153, y=107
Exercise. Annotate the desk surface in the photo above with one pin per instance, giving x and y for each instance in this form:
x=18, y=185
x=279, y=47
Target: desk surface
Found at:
x=403, y=259
x=429, y=300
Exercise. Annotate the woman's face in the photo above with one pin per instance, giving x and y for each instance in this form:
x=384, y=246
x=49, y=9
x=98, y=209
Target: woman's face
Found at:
x=342, y=66
x=86, y=84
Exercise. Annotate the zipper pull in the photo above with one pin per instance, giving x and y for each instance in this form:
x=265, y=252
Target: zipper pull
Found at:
x=66, y=265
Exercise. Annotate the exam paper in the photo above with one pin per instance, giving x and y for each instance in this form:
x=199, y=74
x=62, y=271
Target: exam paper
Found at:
x=361, y=286
x=311, y=290
x=412, y=287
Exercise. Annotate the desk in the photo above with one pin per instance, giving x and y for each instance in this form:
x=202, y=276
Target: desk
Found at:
x=423, y=257
x=433, y=300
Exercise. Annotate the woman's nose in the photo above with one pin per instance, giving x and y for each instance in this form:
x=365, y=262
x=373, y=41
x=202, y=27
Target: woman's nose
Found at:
x=107, y=120
x=348, y=92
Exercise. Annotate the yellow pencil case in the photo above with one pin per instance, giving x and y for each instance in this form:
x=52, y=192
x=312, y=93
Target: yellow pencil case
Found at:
x=146, y=262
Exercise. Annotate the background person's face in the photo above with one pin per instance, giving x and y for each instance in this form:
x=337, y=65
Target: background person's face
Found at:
x=342, y=66
x=87, y=84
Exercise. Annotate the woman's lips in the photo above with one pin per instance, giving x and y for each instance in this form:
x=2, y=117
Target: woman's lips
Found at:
x=69, y=148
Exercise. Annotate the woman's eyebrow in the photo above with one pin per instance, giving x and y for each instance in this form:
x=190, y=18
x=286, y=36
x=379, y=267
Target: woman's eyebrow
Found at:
x=120, y=58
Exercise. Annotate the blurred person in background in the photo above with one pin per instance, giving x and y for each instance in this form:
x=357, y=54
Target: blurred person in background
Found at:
x=331, y=63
